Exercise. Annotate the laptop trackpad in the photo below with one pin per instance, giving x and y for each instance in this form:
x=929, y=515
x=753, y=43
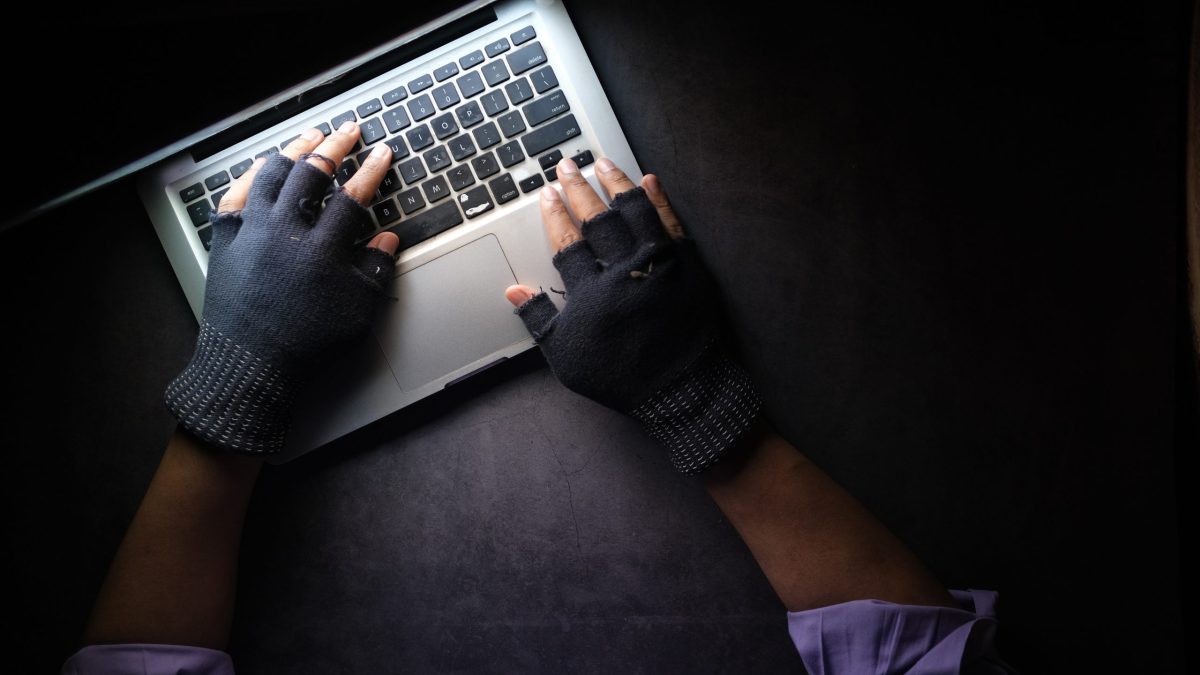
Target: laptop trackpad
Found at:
x=451, y=312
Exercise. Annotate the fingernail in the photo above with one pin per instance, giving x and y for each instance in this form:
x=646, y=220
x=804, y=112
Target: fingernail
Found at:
x=347, y=127
x=549, y=194
x=565, y=165
x=605, y=165
x=310, y=134
x=523, y=295
x=651, y=184
x=380, y=150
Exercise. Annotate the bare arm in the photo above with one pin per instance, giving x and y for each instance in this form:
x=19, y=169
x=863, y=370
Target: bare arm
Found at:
x=174, y=575
x=817, y=545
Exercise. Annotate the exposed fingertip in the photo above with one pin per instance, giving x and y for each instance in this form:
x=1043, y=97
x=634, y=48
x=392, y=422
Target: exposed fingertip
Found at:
x=650, y=183
x=387, y=242
x=604, y=165
x=549, y=194
x=311, y=134
x=381, y=150
x=519, y=294
x=348, y=127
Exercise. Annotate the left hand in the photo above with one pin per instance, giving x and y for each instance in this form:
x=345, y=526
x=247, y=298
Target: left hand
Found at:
x=286, y=285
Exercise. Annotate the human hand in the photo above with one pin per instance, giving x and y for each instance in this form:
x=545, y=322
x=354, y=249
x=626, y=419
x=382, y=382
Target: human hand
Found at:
x=641, y=330
x=286, y=285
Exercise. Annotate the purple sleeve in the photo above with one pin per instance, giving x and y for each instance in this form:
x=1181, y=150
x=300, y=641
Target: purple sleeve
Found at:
x=872, y=636
x=144, y=659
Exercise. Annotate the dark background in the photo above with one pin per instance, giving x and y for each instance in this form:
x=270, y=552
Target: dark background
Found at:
x=950, y=241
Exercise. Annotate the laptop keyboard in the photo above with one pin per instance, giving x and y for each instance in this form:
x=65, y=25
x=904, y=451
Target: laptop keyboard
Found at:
x=454, y=133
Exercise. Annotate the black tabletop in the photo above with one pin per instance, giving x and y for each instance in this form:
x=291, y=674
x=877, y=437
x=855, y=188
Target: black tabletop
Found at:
x=950, y=243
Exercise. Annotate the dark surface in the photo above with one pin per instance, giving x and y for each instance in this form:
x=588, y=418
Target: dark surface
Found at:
x=951, y=245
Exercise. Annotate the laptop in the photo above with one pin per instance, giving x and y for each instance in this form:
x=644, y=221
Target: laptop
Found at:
x=478, y=106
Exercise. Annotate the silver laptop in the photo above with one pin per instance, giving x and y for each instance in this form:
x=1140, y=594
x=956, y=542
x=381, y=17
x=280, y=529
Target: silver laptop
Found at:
x=477, y=120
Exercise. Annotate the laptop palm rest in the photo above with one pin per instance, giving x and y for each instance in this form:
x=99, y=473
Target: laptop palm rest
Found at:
x=449, y=313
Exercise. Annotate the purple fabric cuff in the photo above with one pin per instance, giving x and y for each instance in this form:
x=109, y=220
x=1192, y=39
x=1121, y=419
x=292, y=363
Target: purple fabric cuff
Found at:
x=142, y=659
x=872, y=636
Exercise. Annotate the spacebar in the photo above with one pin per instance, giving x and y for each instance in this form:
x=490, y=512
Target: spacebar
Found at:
x=550, y=135
x=423, y=226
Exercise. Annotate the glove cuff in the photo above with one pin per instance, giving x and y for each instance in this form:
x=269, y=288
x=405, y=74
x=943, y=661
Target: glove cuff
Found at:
x=703, y=413
x=232, y=398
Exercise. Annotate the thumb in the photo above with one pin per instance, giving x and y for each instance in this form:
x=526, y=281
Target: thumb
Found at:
x=519, y=294
x=535, y=309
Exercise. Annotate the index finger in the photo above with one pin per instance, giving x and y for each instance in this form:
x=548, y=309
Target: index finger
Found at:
x=560, y=229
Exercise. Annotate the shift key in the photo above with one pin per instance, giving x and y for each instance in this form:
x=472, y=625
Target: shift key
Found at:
x=550, y=135
x=425, y=225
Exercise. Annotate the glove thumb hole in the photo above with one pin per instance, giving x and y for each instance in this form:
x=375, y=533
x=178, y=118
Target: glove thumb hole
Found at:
x=538, y=314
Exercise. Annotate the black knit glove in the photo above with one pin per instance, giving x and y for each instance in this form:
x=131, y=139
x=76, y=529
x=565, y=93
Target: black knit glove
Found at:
x=286, y=284
x=641, y=333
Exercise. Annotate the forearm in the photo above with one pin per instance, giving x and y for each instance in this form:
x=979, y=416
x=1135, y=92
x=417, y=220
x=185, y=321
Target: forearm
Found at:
x=174, y=575
x=816, y=544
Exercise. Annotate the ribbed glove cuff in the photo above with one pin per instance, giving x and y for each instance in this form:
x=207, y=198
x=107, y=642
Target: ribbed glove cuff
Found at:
x=232, y=398
x=703, y=413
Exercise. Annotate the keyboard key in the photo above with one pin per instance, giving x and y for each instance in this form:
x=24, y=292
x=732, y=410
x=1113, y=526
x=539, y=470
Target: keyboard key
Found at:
x=540, y=140
x=420, y=84
x=583, y=159
x=206, y=238
x=240, y=168
x=445, y=71
x=485, y=165
x=268, y=152
x=504, y=188
x=471, y=60
x=216, y=198
x=399, y=149
x=369, y=108
x=444, y=126
x=524, y=35
x=191, y=192
x=419, y=137
x=511, y=124
x=437, y=159
x=372, y=130
x=469, y=115
x=460, y=177
x=435, y=188
x=386, y=211
x=324, y=128
x=519, y=91
x=497, y=48
x=494, y=103
x=525, y=58
x=470, y=84
x=395, y=120
x=390, y=183
x=410, y=200
x=411, y=171
x=421, y=107
x=510, y=153
x=475, y=202
x=549, y=160
x=446, y=96
x=345, y=172
x=532, y=183
x=338, y=121
x=544, y=79
x=216, y=180
x=487, y=135
x=428, y=224
x=551, y=174
x=494, y=73
x=395, y=96
x=283, y=145
x=546, y=107
x=199, y=212
x=461, y=148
